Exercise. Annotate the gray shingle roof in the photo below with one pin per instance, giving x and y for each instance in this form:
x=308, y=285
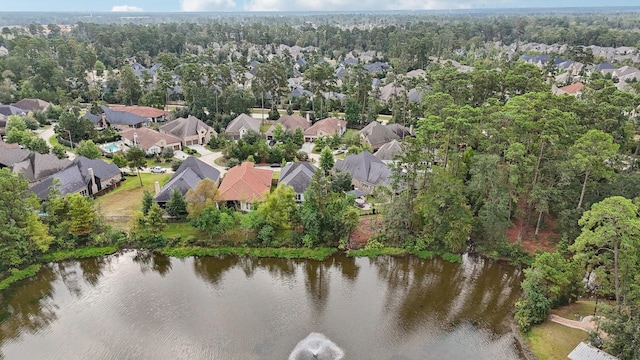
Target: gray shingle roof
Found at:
x=184, y=127
x=38, y=166
x=184, y=181
x=297, y=175
x=93, y=118
x=75, y=177
x=101, y=169
x=8, y=157
x=378, y=135
x=122, y=117
x=401, y=131
x=71, y=181
x=187, y=176
x=201, y=168
x=389, y=151
x=365, y=167
x=11, y=110
x=587, y=352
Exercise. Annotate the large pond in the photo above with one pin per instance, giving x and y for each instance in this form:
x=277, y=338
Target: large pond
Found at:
x=139, y=306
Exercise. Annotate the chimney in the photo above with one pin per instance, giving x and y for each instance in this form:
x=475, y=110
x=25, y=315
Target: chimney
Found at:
x=411, y=130
x=308, y=118
x=157, y=187
x=92, y=179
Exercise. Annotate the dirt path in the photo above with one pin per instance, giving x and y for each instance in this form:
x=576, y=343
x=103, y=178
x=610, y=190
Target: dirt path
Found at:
x=587, y=323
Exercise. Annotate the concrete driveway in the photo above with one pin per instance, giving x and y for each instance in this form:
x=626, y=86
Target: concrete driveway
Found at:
x=201, y=150
x=47, y=134
x=308, y=148
x=180, y=155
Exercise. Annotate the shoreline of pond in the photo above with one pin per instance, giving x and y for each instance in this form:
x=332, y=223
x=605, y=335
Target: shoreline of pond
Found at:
x=14, y=275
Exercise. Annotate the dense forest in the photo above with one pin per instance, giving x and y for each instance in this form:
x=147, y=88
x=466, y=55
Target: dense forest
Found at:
x=494, y=150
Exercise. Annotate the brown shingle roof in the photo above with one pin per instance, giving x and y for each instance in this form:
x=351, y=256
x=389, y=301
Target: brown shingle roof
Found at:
x=185, y=127
x=242, y=120
x=144, y=111
x=32, y=104
x=146, y=138
x=290, y=123
x=246, y=183
x=572, y=89
x=328, y=125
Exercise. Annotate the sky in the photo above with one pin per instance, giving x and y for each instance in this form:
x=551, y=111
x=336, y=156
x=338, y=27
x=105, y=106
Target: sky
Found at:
x=290, y=5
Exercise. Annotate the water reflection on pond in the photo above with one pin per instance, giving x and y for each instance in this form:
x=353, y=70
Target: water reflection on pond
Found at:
x=142, y=306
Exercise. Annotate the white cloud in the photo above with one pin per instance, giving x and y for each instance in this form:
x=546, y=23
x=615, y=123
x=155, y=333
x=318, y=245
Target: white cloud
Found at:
x=362, y=5
x=126, y=8
x=207, y=5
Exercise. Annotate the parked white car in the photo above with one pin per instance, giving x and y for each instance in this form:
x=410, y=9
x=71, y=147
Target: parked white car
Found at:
x=158, y=170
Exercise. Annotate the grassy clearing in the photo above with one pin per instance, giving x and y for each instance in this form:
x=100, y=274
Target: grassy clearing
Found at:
x=182, y=229
x=17, y=275
x=128, y=197
x=282, y=253
x=550, y=341
x=81, y=253
x=577, y=310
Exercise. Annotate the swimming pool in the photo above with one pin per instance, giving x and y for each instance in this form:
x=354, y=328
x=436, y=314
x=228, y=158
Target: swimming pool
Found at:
x=111, y=147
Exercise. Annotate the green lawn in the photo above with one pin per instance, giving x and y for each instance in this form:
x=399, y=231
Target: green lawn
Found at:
x=54, y=141
x=127, y=198
x=151, y=162
x=182, y=229
x=576, y=311
x=554, y=341
x=220, y=161
x=551, y=341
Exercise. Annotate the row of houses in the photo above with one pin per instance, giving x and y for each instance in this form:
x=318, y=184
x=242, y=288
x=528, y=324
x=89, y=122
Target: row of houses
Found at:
x=135, y=131
x=244, y=123
x=133, y=124
x=570, y=72
x=245, y=184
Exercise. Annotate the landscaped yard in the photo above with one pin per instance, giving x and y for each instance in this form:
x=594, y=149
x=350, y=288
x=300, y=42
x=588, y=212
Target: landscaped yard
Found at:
x=127, y=198
x=553, y=341
x=54, y=141
x=182, y=229
x=577, y=310
x=550, y=340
